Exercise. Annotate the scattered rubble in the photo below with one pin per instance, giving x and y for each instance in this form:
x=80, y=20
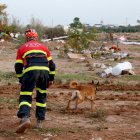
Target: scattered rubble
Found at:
x=75, y=56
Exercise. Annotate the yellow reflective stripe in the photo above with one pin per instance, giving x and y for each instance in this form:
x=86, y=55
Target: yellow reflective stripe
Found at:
x=25, y=93
x=49, y=58
x=40, y=104
x=33, y=51
x=40, y=90
x=19, y=61
x=19, y=75
x=52, y=72
x=36, y=68
x=24, y=103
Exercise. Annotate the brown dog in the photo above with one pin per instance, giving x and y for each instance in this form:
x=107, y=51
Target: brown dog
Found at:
x=81, y=93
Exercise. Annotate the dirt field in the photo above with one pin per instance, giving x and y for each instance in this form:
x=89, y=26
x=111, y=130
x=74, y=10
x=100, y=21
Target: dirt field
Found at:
x=117, y=109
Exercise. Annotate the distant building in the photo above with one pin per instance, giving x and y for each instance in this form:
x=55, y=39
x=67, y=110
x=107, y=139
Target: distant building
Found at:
x=89, y=27
x=98, y=25
x=110, y=26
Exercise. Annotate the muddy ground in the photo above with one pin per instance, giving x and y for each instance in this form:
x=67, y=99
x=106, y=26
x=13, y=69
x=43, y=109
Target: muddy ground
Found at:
x=117, y=108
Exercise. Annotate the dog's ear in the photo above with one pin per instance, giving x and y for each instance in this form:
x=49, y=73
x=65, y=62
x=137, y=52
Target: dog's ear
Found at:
x=97, y=88
x=98, y=83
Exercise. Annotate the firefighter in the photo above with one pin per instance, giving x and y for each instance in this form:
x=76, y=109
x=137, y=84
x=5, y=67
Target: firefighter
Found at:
x=35, y=69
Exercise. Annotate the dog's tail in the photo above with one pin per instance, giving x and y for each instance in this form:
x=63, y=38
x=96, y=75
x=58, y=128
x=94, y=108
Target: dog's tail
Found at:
x=76, y=94
x=73, y=84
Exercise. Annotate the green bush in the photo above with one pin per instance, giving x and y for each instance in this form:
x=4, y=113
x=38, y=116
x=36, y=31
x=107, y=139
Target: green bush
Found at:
x=80, y=35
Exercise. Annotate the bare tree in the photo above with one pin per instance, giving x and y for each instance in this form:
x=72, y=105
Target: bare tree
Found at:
x=138, y=21
x=3, y=14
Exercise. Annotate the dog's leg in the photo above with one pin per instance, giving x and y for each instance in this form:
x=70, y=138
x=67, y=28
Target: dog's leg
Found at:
x=73, y=97
x=76, y=104
x=78, y=101
x=92, y=104
x=68, y=106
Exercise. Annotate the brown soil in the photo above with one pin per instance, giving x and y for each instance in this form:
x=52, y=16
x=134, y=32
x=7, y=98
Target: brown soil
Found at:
x=116, y=115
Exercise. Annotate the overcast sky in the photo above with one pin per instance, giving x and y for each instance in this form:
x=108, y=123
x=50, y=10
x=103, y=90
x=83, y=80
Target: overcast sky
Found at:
x=54, y=12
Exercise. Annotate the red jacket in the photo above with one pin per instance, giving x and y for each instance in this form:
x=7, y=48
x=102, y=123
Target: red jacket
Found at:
x=34, y=56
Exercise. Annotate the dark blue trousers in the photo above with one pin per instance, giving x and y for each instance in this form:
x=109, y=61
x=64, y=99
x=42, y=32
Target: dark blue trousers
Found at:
x=33, y=79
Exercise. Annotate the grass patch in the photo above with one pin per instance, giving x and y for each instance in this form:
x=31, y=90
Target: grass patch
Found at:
x=101, y=127
x=137, y=134
x=7, y=133
x=133, y=77
x=8, y=76
x=122, y=83
x=7, y=100
x=12, y=107
x=134, y=49
x=53, y=130
x=79, y=77
x=99, y=114
x=134, y=58
x=74, y=130
x=128, y=80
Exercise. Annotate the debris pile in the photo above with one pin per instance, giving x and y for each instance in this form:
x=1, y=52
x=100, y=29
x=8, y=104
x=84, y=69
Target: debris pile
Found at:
x=120, y=68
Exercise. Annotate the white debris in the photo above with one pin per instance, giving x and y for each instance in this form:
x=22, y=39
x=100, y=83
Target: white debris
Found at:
x=131, y=43
x=108, y=70
x=2, y=40
x=118, y=69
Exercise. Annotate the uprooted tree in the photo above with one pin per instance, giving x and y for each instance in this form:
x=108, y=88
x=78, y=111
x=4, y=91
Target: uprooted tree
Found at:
x=80, y=35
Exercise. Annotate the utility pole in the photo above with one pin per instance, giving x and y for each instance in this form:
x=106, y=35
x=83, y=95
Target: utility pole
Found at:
x=0, y=25
x=126, y=21
x=52, y=30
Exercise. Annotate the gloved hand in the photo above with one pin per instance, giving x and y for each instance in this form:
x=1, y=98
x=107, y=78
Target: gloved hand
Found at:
x=20, y=80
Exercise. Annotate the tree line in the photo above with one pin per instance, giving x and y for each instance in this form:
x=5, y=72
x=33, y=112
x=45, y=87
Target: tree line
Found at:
x=121, y=29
